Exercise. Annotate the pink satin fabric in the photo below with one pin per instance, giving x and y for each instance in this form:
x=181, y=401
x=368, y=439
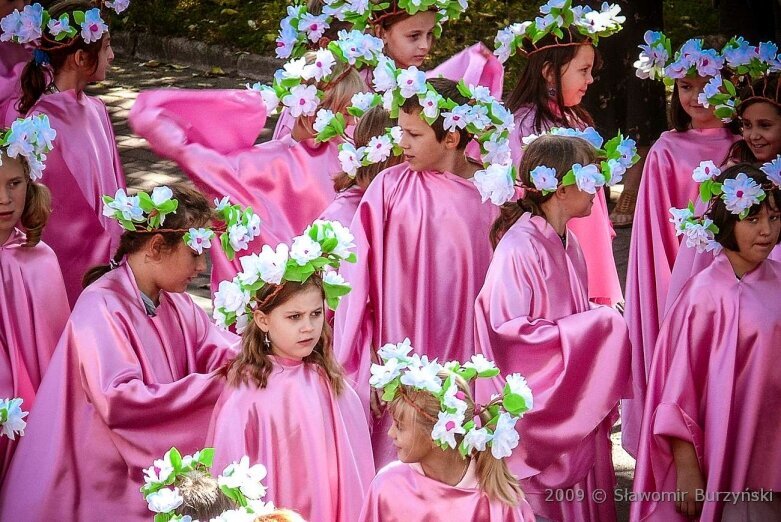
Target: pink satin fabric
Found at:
x=344, y=206
x=33, y=312
x=715, y=382
x=400, y=493
x=533, y=316
x=595, y=232
x=423, y=251
x=666, y=182
x=83, y=166
x=13, y=58
x=210, y=135
x=314, y=444
x=122, y=388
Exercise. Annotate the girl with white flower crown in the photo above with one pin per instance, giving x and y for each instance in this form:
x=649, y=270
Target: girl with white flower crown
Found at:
x=33, y=303
x=286, y=404
x=714, y=373
x=71, y=51
x=533, y=316
x=13, y=58
x=130, y=375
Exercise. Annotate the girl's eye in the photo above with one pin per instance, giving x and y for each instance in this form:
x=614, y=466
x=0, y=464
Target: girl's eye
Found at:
x=317, y=313
x=775, y=217
x=295, y=316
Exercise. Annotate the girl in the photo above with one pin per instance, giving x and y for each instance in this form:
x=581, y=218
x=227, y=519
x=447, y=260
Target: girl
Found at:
x=714, y=375
x=127, y=379
x=286, y=404
x=697, y=135
x=86, y=162
x=432, y=480
x=13, y=58
x=548, y=95
x=33, y=304
x=533, y=316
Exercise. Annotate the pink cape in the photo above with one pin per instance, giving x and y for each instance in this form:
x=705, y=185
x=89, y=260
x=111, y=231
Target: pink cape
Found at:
x=715, y=382
x=666, y=182
x=83, y=166
x=594, y=232
x=344, y=206
x=13, y=58
x=314, y=444
x=33, y=312
x=121, y=389
x=423, y=251
x=402, y=493
x=533, y=316
x=210, y=135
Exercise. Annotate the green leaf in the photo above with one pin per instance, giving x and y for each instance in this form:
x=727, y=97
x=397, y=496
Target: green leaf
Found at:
x=145, y=202
x=176, y=459
x=207, y=457
x=389, y=392
x=514, y=403
x=79, y=17
x=730, y=87
x=489, y=373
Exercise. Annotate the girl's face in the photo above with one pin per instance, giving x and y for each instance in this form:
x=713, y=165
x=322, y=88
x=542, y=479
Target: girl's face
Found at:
x=576, y=202
x=105, y=58
x=762, y=130
x=295, y=326
x=179, y=267
x=409, y=41
x=411, y=441
x=576, y=76
x=13, y=193
x=689, y=90
x=756, y=237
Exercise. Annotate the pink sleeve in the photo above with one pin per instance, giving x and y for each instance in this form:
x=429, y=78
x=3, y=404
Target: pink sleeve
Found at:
x=215, y=347
x=476, y=65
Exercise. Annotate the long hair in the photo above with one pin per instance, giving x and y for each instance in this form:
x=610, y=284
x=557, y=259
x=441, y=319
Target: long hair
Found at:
x=763, y=90
x=493, y=475
x=37, y=204
x=253, y=363
x=557, y=152
x=35, y=78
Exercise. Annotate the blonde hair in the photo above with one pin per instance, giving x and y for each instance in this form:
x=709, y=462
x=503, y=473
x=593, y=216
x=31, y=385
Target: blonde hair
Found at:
x=202, y=497
x=281, y=515
x=493, y=475
x=37, y=204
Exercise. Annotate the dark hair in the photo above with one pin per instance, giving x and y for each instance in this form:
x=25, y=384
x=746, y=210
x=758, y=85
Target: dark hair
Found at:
x=193, y=212
x=253, y=363
x=447, y=89
x=371, y=124
x=35, y=79
x=391, y=15
x=202, y=498
x=532, y=87
x=726, y=220
x=557, y=152
x=37, y=204
x=763, y=90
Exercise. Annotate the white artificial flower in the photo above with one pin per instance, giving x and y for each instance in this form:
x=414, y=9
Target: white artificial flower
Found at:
x=505, y=438
x=231, y=297
x=544, y=178
x=160, y=195
x=396, y=133
x=58, y=25
x=164, y=500
x=741, y=193
x=324, y=117
x=238, y=236
x=458, y=118
x=333, y=278
x=313, y=25
x=235, y=515
x=699, y=236
x=304, y=249
x=382, y=374
x=363, y=101
x=272, y=263
x=302, y=100
x=200, y=239
x=477, y=439
x=384, y=78
x=322, y=66
x=411, y=82
x=447, y=427
x=423, y=377
x=430, y=104
x=345, y=240
x=379, y=149
x=253, y=226
x=480, y=364
x=679, y=218
x=128, y=206
x=242, y=321
x=588, y=178
x=495, y=183
x=350, y=158
x=395, y=351
x=772, y=170
x=617, y=171
x=519, y=386
x=286, y=41
x=244, y=477
x=497, y=150
x=93, y=27
x=269, y=97
x=454, y=399
x=14, y=423
x=118, y=5
x=740, y=54
x=712, y=88
x=222, y=204
x=705, y=171
x=477, y=115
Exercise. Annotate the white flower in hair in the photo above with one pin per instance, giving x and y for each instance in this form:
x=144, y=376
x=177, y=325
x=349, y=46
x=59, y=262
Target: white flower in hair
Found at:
x=495, y=183
x=222, y=204
x=313, y=25
x=10, y=25
x=159, y=471
x=543, y=22
x=334, y=278
x=345, y=240
x=58, y=25
x=271, y=263
x=14, y=423
x=705, y=171
x=507, y=122
x=544, y=178
x=478, y=116
x=21, y=138
x=423, y=376
x=395, y=351
x=128, y=206
x=268, y=95
x=302, y=100
x=447, y=427
x=363, y=100
x=93, y=27
x=479, y=363
x=304, y=249
x=160, y=195
x=411, y=82
x=118, y=5
x=324, y=117
x=242, y=321
x=253, y=226
x=505, y=437
x=458, y=118
x=519, y=386
x=452, y=400
x=396, y=134
x=231, y=298
x=772, y=170
x=477, y=439
x=711, y=89
x=235, y=515
x=36, y=167
x=767, y=51
x=245, y=477
x=292, y=69
x=25, y=25
x=382, y=374
x=679, y=218
x=164, y=500
x=699, y=236
x=239, y=236
x=350, y=158
x=430, y=104
x=286, y=41
x=379, y=149
x=588, y=178
x=741, y=193
x=497, y=150
x=528, y=140
x=322, y=66
x=200, y=239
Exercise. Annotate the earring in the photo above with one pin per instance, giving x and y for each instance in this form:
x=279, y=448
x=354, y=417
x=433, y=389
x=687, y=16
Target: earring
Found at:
x=552, y=92
x=266, y=340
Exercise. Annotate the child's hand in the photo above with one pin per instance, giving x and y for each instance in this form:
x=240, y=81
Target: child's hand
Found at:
x=689, y=481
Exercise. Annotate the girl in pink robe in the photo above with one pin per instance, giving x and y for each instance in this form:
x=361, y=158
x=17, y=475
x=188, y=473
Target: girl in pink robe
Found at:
x=128, y=380
x=533, y=317
x=713, y=391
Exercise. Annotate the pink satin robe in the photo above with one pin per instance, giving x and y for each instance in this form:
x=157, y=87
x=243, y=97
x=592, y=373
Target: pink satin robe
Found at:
x=595, y=232
x=666, y=182
x=33, y=312
x=210, y=135
x=715, y=382
x=83, y=166
x=344, y=206
x=423, y=251
x=533, y=316
x=13, y=58
x=402, y=493
x=122, y=388
x=314, y=443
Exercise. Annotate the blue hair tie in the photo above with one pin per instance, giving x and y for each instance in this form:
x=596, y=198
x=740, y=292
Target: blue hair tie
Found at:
x=40, y=57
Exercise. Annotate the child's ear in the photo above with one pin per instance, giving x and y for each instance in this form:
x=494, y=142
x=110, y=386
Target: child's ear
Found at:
x=261, y=320
x=154, y=249
x=548, y=74
x=452, y=140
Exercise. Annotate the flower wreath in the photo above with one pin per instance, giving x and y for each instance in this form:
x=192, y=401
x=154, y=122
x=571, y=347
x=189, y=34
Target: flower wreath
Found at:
x=559, y=18
x=146, y=213
x=12, y=416
x=299, y=30
x=361, y=13
x=738, y=194
x=400, y=370
x=30, y=138
x=321, y=249
x=34, y=23
x=616, y=157
x=239, y=481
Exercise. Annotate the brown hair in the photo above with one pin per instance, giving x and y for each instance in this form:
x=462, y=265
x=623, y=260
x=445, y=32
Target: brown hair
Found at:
x=557, y=152
x=37, y=204
x=35, y=79
x=493, y=475
x=763, y=90
x=371, y=124
x=390, y=16
x=193, y=212
x=532, y=87
x=726, y=220
x=202, y=497
x=253, y=362
x=280, y=515
x=447, y=89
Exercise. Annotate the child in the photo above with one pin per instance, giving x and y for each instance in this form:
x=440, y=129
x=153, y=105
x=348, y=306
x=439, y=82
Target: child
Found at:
x=697, y=135
x=128, y=377
x=13, y=58
x=714, y=374
x=533, y=316
x=449, y=467
x=33, y=304
x=548, y=95
x=86, y=162
x=286, y=404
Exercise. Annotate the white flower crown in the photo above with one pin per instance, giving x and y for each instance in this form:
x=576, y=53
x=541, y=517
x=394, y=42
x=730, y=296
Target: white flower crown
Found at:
x=12, y=416
x=361, y=13
x=30, y=138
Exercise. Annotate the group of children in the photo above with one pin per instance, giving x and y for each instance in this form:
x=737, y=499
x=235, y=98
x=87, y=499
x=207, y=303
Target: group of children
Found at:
x=404, y=348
